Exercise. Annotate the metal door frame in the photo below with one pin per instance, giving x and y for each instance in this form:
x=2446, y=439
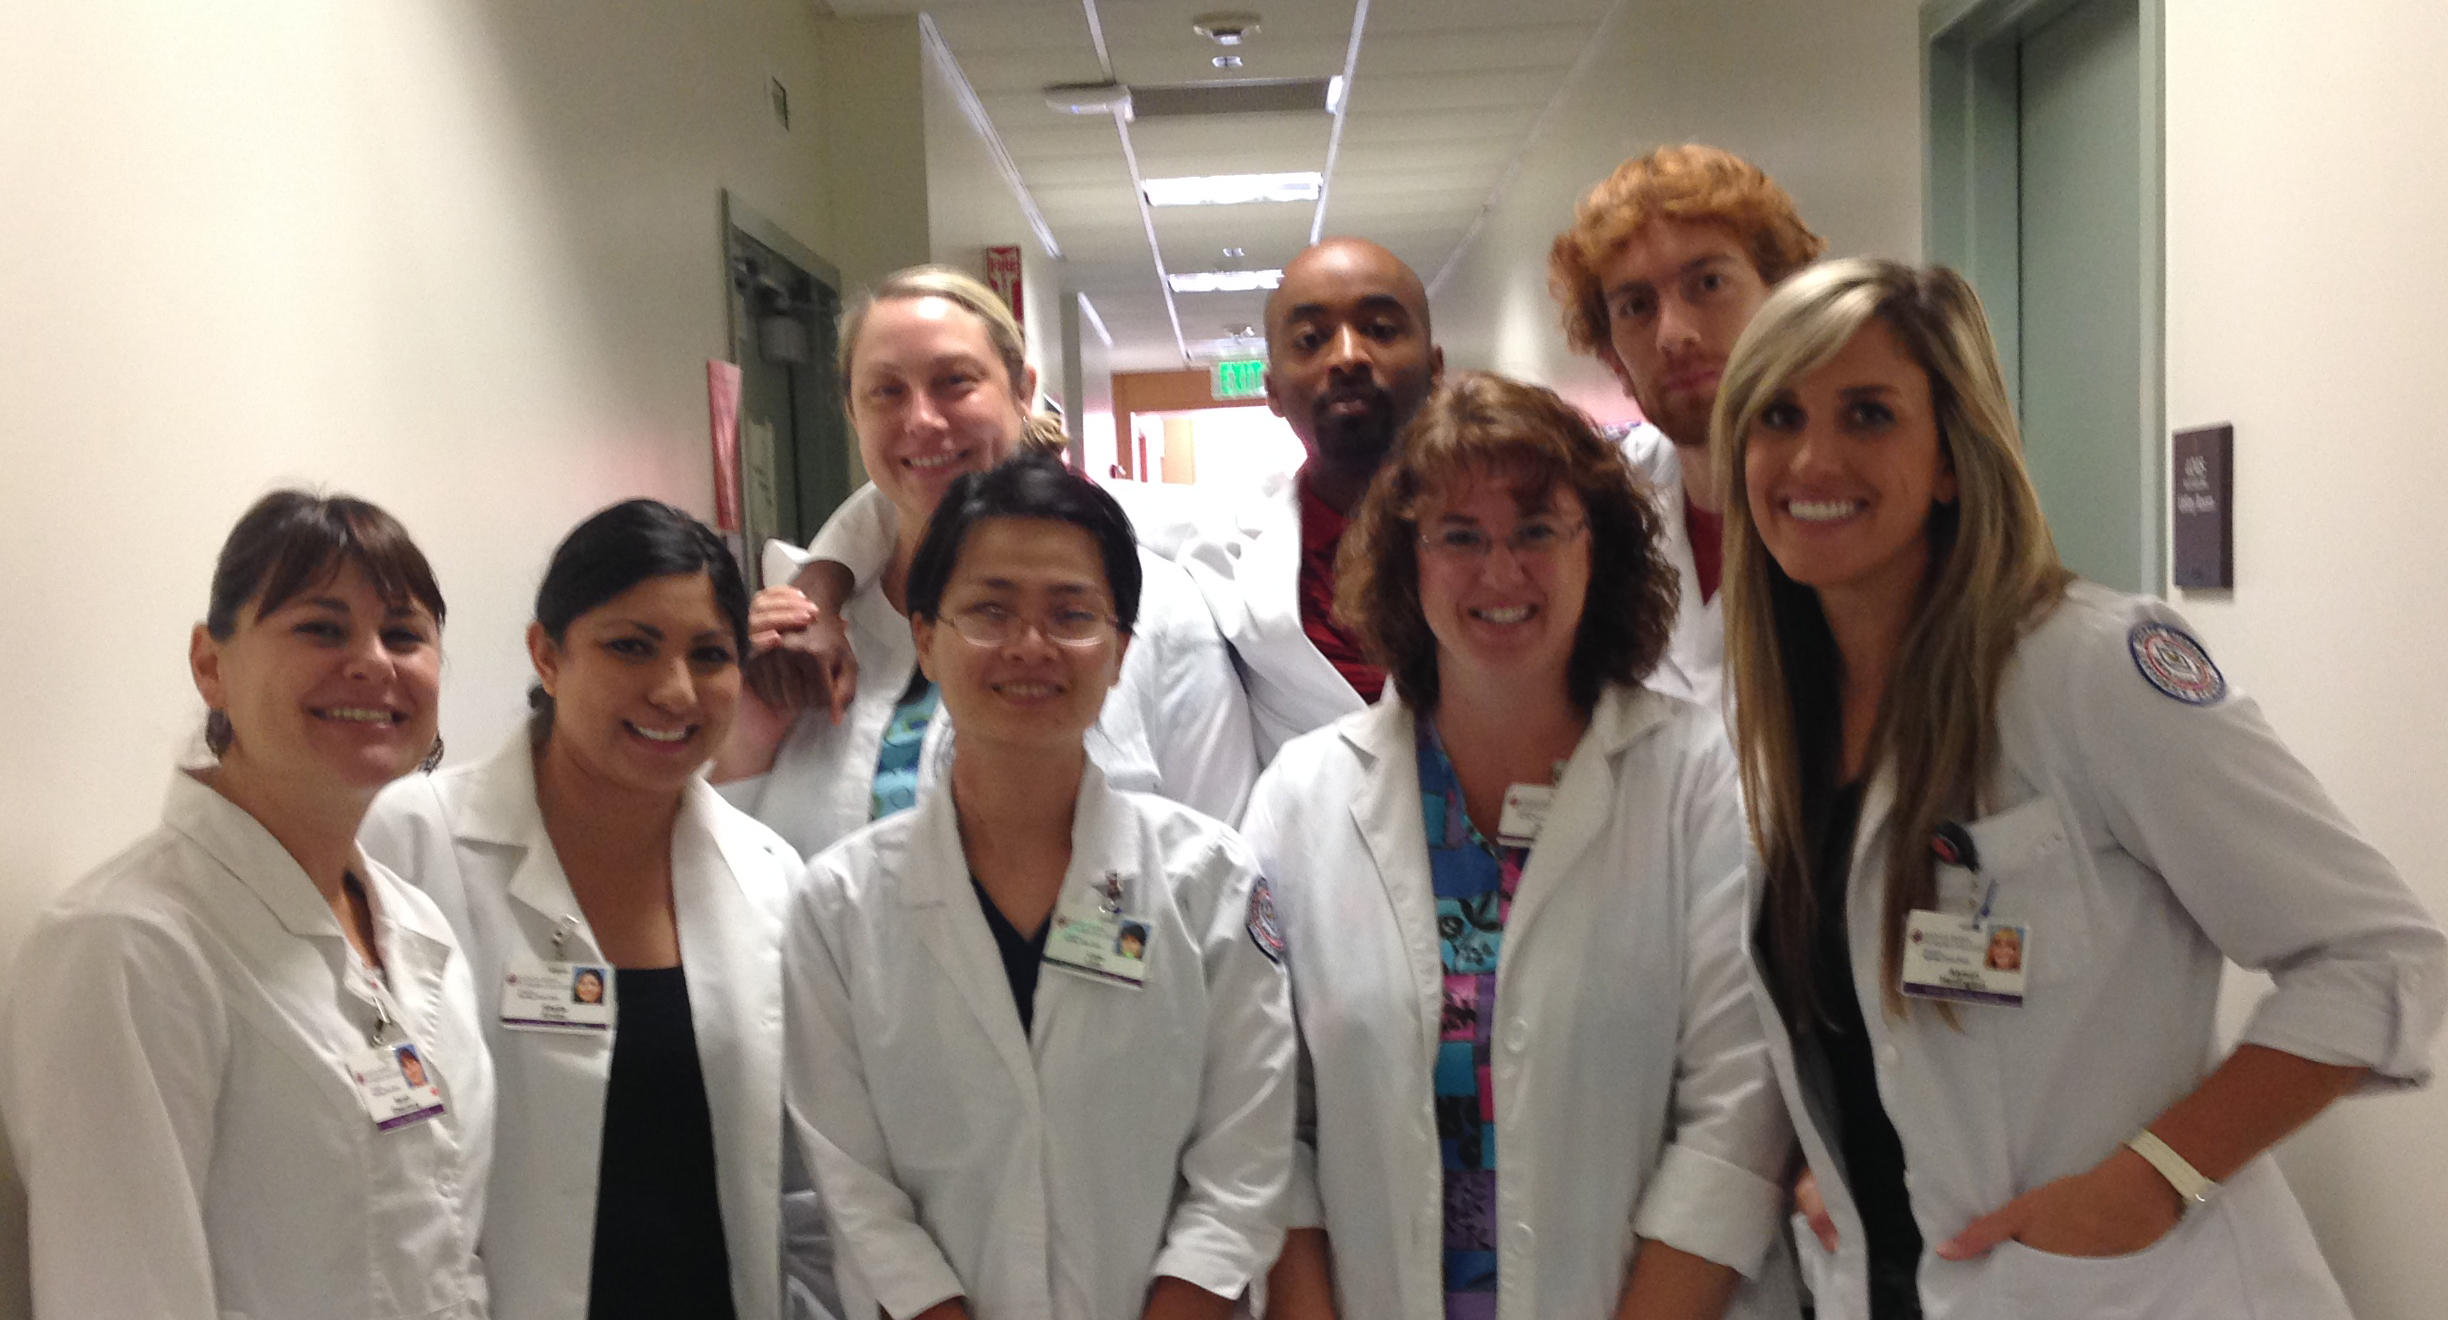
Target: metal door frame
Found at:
x=1972, y=204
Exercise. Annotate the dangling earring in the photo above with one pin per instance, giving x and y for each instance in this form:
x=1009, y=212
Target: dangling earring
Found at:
x=433, y=759
x=217, y=732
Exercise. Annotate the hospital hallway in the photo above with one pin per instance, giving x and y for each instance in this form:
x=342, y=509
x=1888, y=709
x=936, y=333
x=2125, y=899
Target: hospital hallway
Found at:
x=494, y=264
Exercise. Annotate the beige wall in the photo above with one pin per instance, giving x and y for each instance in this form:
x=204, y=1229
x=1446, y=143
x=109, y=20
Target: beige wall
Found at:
x=1825, y=97
x=461, y=258
x=2306, y=200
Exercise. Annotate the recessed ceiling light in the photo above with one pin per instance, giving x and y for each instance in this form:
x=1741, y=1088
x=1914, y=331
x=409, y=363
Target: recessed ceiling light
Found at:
x=1225, y=281
x=1233, y=189
x=1227, y=29
x=1334, y=94
x=1234, y=254
x=1226, y=61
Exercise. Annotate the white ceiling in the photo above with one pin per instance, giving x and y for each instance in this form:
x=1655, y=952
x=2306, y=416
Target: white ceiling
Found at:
x=1444, y=96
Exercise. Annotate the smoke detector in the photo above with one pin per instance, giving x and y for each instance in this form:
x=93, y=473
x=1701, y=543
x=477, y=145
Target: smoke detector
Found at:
x=1226, y=29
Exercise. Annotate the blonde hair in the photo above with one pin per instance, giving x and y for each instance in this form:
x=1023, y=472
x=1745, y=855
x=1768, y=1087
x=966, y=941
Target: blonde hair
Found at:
x=1993, y=573
x=1040, y=431
x=1692, y=184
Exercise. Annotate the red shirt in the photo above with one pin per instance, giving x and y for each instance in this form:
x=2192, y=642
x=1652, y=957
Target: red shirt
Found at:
x=1321, y=534
x=1708, y=546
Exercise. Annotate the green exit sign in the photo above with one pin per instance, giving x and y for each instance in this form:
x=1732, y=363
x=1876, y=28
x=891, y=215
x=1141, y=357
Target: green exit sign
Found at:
x=1240, y=380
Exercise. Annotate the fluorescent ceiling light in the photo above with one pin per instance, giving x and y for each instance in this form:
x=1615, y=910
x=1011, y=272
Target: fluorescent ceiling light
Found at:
x=1225, y=281
x=1233, y=189
x=1334, y=94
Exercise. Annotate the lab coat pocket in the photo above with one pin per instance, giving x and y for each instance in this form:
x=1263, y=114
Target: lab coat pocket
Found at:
x=2026, y=852
x=2192, y=1272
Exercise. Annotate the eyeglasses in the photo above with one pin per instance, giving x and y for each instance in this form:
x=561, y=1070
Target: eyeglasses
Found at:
x=1535, y=538
x=989, y=624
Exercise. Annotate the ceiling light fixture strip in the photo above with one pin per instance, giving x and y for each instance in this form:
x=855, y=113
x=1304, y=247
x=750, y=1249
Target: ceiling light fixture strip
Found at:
x=1096, y=37
x=976, y=112
x=1147, y=220
x=1095, y=322
x=1538, y=129
x=1334, y=138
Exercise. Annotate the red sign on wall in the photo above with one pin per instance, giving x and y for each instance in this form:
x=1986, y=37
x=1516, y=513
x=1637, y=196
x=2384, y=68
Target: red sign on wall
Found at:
x=1003, y=275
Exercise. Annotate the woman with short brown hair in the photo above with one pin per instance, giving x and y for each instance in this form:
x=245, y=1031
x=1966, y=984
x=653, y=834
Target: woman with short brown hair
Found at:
x=1518, y=794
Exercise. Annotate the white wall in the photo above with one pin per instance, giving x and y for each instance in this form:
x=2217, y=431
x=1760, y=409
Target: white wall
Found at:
x=461, y=258
x=1825, y=97
x=2306, y=204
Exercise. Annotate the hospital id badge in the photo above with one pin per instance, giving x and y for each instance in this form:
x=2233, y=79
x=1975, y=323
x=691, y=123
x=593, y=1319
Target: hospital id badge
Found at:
x=1525, y=814
x=556, y=996
x=1100, y=943
x=396, y=1084
x=1968, y=960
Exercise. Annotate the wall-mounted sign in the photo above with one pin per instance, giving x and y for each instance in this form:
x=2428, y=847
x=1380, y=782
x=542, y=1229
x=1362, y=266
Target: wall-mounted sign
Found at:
x=1003, y=276
x=1244, y=379
x=2204, y=494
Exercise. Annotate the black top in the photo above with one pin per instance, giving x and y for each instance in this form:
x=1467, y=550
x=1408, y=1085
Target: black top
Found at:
x=1021, y=955
x=658, y=1222
x=1873, y=1157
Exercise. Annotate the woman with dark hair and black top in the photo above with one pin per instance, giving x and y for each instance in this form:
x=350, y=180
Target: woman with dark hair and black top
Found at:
x=640, y=1169
x=1013, y=1109
x=205, y=1061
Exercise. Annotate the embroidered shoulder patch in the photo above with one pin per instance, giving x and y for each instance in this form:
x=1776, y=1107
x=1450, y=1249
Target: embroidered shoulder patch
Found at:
x=1264, y=930
x=2176, y=664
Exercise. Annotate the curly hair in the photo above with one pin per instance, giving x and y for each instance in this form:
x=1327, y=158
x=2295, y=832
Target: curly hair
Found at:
x=1479, y=423
x=1690, y=183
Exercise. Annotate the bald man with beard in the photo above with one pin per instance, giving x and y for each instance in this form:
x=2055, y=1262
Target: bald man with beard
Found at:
x=1350, y=359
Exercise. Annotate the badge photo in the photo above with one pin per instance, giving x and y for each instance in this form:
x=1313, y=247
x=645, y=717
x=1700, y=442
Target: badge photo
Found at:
x=1966, y=960
x=1101, y=942
x=395, y=1082
x=556, y=996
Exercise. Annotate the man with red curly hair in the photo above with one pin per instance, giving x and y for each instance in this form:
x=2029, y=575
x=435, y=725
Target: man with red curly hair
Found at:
x=1665, y=263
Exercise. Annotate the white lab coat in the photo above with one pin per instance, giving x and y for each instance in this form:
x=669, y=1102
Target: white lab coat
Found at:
x=1050, y=1176
x=1633, y=1091
x=1693, y=667
x=1176, y=723
x=1248, y=567
x=176, y=1083
x=2138, y=838
x=473, y=838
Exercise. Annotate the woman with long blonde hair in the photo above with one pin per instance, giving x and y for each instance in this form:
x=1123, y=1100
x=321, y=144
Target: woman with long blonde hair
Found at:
x=1943, y=735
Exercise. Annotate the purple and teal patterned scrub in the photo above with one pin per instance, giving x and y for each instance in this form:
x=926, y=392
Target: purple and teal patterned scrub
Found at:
x=896, y=776
x=1474, y=883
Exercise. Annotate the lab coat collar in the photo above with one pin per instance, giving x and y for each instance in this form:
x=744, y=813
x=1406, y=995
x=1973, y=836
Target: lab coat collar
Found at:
x=243, y=847
x=935, y=873
x=1387, y=810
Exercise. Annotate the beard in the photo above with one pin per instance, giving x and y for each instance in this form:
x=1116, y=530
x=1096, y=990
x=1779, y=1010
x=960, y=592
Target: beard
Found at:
x=1355, y=441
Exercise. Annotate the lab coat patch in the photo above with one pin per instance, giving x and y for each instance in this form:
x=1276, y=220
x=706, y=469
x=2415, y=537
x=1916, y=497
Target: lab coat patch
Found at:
x=1264, y=930
x=2176, y=664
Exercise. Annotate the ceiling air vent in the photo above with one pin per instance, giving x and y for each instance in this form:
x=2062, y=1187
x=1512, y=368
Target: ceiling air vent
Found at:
x=1244, y=97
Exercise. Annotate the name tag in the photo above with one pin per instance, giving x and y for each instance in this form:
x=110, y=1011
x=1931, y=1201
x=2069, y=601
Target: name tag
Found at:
x=1098, y=940
x=1965, y=959
x=1525, y=814
x=396, y=1084
x=556, y=996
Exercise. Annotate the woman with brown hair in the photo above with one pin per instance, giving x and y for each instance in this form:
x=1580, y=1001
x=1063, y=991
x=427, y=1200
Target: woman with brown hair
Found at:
x=205, y=1066
x=1945, y=737
x=1510, y=897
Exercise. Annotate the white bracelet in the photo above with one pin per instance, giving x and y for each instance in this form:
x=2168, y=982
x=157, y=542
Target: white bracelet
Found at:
x=2180, y=1173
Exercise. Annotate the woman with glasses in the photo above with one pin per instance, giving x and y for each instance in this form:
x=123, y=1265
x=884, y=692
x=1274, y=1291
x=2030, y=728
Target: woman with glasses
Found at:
x=1511, y=898
x=937, y=387
x=1041, y=1047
